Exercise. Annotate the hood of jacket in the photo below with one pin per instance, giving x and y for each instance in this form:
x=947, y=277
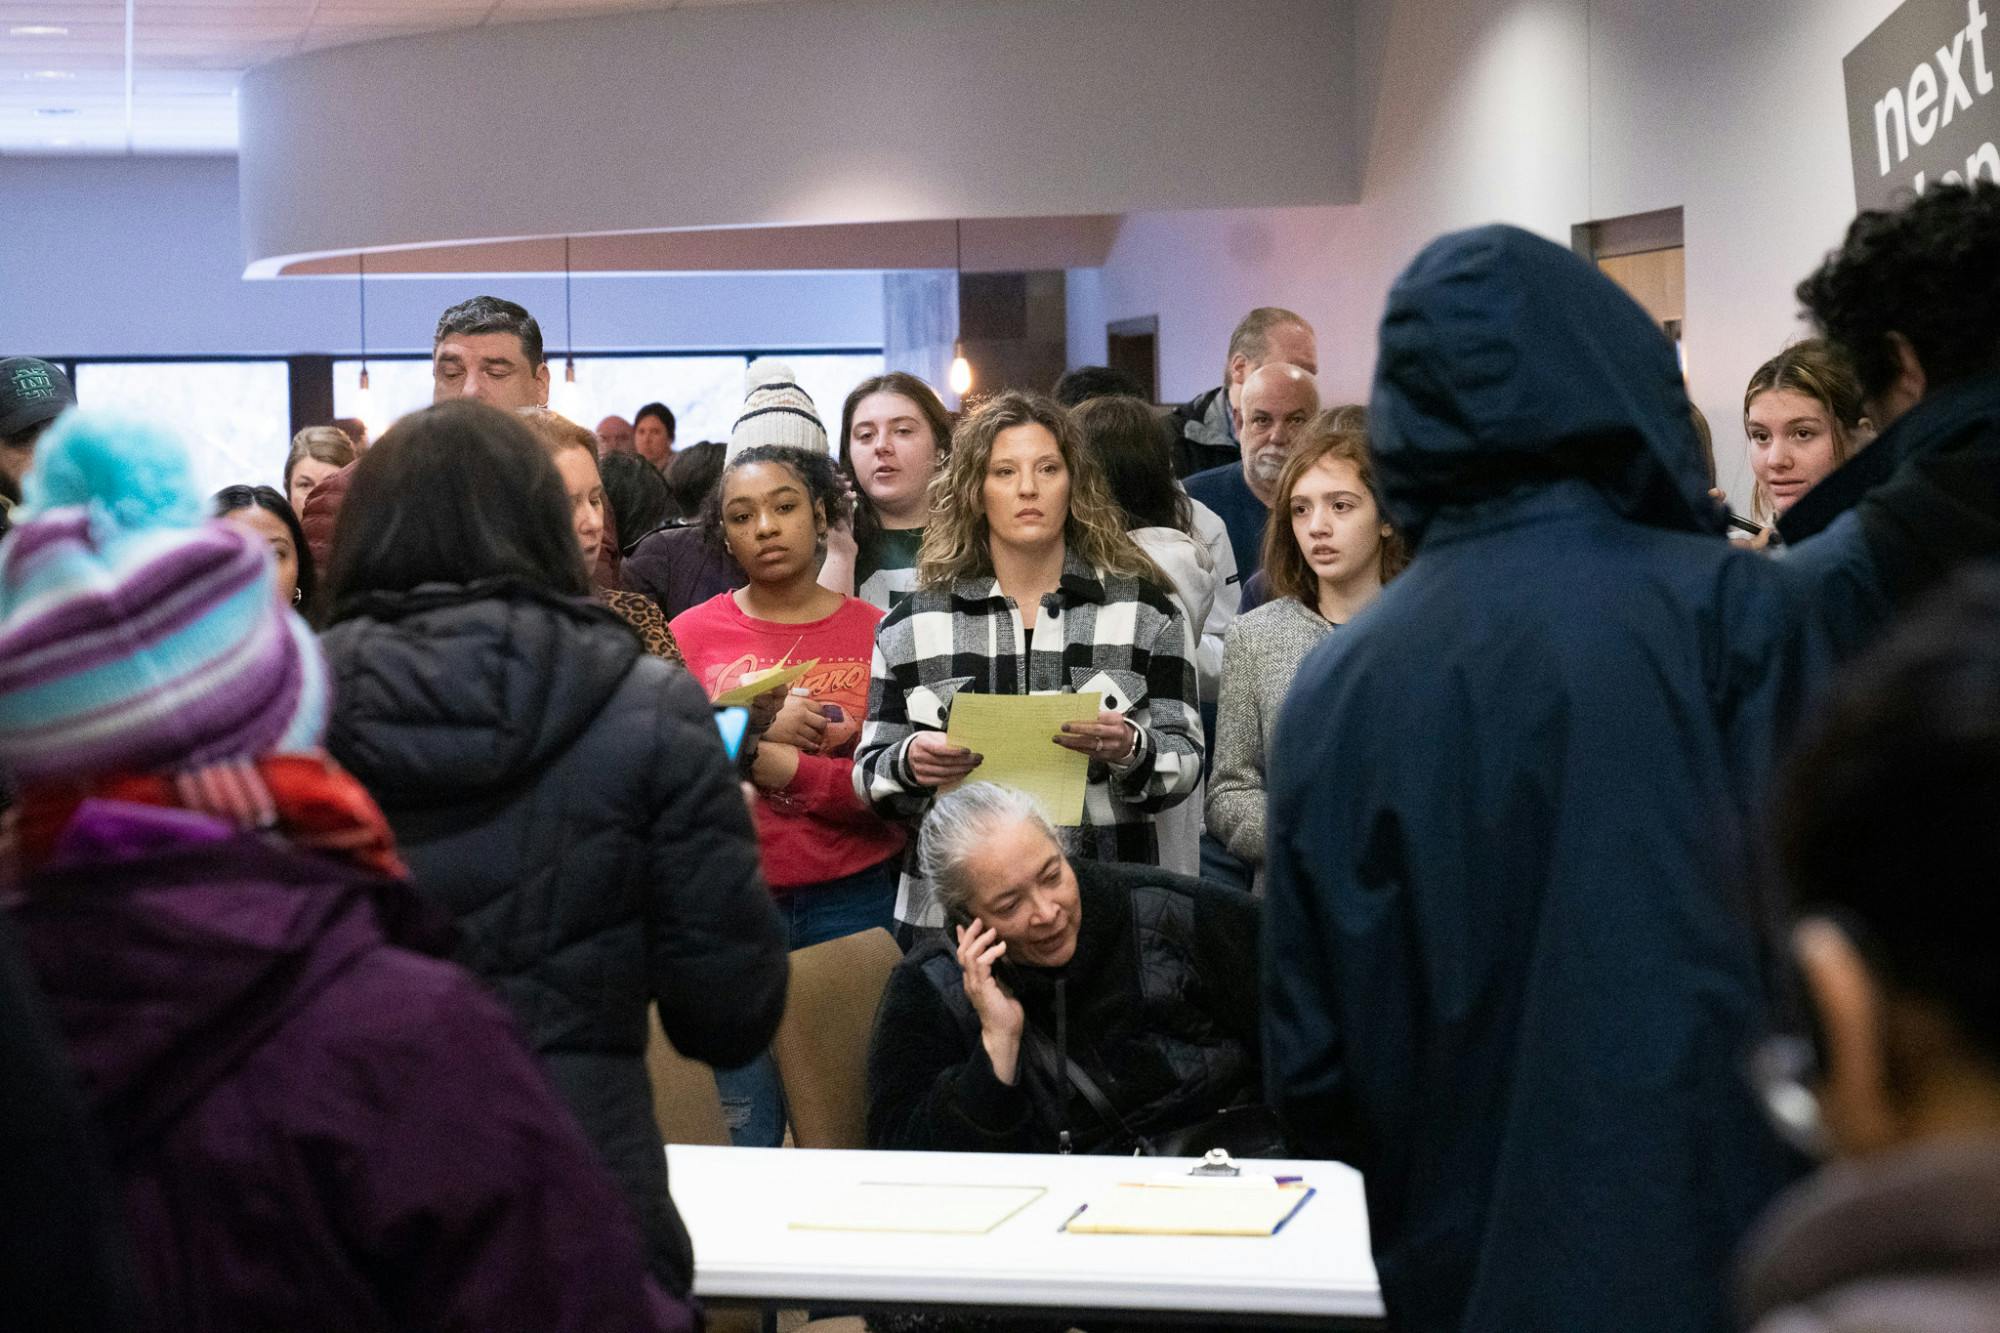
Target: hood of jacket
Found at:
x=1506, y=363
x=1924, y=1214
x=1189, y=568
x=450, y=690
x=170, y=946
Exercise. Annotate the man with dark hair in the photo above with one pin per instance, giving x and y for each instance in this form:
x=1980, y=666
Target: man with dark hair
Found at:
x=489, y=349
x=33, y=393
x=1205, y=426
x=1885, y=843
x=1087, y=382
x=485, y=348
x=1912, y=297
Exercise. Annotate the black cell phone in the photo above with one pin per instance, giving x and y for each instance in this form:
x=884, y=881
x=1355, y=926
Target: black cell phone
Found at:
x=1742, y=524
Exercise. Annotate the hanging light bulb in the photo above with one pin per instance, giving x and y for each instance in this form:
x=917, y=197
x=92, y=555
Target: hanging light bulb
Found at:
x=960, y=378
x=364, y=402
x=960, y=375
x=568, y=399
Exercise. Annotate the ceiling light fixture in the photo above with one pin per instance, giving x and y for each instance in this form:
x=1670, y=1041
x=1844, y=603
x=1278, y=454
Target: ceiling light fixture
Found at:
x=361, y=275
x=568, y=398
x=960, y=377
x=569, y=329
x=38, y=30
x=51, y=112
x=48, y=75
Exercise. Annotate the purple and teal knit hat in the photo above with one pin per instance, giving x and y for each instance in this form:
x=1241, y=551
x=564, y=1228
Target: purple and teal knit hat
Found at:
x=134, y=635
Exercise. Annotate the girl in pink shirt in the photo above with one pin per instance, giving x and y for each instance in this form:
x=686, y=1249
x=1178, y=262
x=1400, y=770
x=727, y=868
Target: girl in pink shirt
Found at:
x=829, y=859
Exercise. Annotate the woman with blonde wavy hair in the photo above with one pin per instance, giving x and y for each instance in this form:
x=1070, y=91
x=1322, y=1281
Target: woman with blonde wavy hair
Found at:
x=1027, y=583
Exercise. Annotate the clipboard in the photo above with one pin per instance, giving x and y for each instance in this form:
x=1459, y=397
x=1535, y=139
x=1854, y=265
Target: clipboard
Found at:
x=1193, y=1209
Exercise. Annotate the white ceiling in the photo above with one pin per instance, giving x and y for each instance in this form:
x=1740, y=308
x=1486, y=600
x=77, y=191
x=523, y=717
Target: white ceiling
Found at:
x=159, y=76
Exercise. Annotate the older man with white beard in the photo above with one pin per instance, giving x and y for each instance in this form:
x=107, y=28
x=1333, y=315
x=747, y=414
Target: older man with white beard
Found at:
x=1277, y=402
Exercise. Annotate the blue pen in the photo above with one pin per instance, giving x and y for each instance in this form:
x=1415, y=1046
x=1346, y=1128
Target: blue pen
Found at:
x=1073, y=1216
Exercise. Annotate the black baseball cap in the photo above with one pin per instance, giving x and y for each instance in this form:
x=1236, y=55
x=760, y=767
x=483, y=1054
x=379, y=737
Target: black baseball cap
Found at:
x=32, y=391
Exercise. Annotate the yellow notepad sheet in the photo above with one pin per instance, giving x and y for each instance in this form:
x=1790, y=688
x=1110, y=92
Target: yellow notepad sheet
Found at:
x=937, y=1209
x=1014, y=732
x=763, y=682
x=1189, y=1210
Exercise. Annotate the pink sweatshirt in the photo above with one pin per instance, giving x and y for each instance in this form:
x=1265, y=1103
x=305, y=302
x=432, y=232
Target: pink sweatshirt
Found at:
x=815, y=829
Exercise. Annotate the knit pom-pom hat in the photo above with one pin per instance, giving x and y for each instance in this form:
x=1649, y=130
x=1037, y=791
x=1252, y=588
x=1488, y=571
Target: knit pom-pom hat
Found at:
x=775, y=411
x=135, y=635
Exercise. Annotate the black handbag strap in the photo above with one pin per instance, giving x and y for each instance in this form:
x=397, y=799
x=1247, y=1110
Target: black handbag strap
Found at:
x=1061, y=1067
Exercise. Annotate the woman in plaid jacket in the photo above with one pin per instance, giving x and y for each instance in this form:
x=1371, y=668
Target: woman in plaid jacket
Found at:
x=1028, y=584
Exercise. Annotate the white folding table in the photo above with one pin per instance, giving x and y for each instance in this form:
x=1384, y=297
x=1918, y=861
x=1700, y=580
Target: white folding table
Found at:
x=738, y=1203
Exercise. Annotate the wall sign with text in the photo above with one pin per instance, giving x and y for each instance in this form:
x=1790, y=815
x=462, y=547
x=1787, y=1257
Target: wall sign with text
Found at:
x=1921, y=101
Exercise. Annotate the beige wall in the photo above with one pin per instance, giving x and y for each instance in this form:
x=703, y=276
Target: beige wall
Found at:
x=1544, y=113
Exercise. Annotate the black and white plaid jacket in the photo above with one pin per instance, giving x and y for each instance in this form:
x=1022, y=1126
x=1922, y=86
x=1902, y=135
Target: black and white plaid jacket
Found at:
x=1112, y=634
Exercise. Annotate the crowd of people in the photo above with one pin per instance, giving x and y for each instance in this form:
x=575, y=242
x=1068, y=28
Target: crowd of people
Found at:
x=1473, y=797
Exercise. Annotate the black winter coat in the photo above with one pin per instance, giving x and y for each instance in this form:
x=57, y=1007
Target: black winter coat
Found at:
x=1161, y=1007
x=1515, y=964
x=567, y=798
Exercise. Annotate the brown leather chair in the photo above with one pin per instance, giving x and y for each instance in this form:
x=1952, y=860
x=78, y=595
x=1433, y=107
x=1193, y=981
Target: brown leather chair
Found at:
x=685, y=1102
x=822, y=1042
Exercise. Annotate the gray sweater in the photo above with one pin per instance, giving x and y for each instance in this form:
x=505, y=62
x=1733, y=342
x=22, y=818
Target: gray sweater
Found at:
x=1259, y=659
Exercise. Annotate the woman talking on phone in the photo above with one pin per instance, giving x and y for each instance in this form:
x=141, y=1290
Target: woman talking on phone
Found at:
x=1027, y=583
x=1074, y=1007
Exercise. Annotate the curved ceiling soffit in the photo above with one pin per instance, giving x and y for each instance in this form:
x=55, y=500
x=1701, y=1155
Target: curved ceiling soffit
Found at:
x=793, y=116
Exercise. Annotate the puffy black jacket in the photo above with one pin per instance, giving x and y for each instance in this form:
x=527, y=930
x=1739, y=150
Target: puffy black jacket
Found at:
x=1161, y=1006
x=567, y=798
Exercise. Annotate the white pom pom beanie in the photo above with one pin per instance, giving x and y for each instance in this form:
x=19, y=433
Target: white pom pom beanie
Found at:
x=776, y=411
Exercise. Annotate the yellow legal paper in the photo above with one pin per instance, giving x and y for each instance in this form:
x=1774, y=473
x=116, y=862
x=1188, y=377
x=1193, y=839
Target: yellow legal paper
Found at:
x=763, y=682
x=1013, y=732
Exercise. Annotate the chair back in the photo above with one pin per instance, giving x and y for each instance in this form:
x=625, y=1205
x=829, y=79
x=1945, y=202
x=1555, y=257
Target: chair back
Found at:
x=686, y=1105
x=822, y=1042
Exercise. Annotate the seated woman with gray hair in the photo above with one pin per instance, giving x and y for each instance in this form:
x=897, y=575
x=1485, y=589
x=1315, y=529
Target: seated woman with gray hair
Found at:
x=1073, y=1006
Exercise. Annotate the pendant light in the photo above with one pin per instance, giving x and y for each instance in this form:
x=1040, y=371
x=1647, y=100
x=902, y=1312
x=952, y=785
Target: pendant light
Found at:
x=364, y=398
x=568, y=400
x=361, y=273
x=960, y=377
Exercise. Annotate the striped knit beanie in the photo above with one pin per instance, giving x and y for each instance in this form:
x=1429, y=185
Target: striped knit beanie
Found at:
x=775, y=411
x=134, y=635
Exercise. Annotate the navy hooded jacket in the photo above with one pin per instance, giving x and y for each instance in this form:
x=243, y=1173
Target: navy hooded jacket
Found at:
x=1514, y=965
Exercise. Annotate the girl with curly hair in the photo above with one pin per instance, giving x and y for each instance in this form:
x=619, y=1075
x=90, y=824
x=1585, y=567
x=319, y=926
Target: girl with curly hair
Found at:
x=1027, y=583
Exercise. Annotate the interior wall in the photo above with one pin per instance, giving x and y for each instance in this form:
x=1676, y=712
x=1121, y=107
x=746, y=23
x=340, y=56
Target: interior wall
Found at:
x=143, y=257
x=1543, y=113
